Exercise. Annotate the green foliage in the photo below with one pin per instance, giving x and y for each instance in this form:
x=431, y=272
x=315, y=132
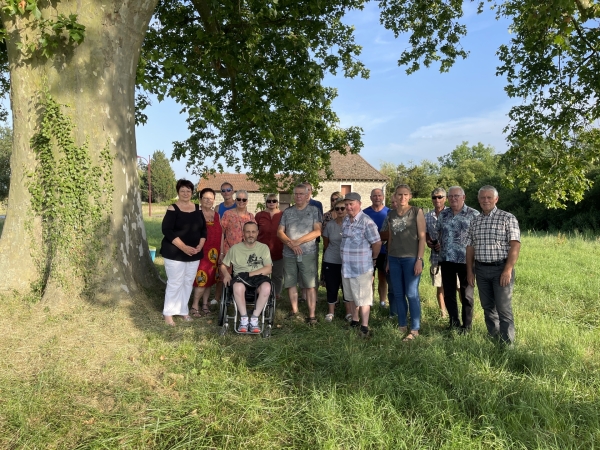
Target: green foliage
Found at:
x=71, y=195
x=5, y=151
x=552, y=63
x=464, y=166
x=51, y=34
x=478, y=165
x=163, y=178
x=424, y=203
x=249, y=77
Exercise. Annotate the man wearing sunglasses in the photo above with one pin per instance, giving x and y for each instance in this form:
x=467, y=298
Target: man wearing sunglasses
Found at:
x=299, y=227
x=438, y=198
x=228, y=200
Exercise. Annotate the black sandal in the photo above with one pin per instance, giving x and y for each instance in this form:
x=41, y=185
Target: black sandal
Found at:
x=206, y=310
x=195, y=313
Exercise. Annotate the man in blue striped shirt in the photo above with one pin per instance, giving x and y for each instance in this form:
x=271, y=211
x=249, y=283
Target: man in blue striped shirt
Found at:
x=360, y=247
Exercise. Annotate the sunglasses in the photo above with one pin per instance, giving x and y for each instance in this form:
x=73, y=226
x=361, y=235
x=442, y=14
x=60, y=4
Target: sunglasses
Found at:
x=340, y=208
x=439, y=197
x=226, y=190
x=241, y=200
x=272, y=201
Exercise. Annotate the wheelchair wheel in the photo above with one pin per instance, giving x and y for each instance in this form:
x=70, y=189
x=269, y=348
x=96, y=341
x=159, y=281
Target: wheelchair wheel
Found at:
x=223, y=330
x=267, y=331
x=270, y=312
x=222, y=312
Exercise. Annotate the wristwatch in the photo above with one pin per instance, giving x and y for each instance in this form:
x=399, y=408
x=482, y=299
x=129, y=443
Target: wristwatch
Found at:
x=420, y=259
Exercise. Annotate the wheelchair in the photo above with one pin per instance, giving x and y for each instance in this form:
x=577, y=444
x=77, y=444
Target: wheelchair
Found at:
x=228, y=311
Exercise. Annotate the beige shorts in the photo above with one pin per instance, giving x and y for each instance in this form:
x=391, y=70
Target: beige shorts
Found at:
x=359, y=289
x=436, y=277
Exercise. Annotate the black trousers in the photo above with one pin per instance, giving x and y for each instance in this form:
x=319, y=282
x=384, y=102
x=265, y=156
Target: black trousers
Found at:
x=450, y=271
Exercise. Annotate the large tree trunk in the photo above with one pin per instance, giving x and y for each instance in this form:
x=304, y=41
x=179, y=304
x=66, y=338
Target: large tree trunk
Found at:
x=96, y=80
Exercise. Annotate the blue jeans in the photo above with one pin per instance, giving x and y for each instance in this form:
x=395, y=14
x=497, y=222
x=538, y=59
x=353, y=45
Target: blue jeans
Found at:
x=406, y=287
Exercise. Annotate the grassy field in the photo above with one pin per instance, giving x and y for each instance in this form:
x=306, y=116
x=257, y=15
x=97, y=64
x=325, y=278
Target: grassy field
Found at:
x=91, y=376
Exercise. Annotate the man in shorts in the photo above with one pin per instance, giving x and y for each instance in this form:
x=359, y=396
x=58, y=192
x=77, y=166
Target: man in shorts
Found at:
x=360, y=248
x=438, y=198
x=378, y=212
x=251, y=263
x=299, y=227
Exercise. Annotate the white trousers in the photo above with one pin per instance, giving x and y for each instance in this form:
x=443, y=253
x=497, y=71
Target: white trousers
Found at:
x=180, y=282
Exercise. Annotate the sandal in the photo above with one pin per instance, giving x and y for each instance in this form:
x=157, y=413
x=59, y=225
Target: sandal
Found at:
x=410, y=337
x=348, y=317
x=206, y=310
x=195, y=313
x=311, y=320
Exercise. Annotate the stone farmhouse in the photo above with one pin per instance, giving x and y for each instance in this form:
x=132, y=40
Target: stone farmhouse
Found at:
x=351, y=173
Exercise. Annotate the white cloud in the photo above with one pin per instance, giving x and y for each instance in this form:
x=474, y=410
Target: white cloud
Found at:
x=440, y=138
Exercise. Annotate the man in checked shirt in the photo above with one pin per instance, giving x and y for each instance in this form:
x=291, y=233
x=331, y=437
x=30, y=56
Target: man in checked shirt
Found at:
x=493, y=245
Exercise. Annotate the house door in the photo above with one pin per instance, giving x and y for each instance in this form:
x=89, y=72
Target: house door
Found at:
x=345, y=189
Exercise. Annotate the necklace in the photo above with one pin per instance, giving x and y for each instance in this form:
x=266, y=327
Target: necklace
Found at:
x=210, y=218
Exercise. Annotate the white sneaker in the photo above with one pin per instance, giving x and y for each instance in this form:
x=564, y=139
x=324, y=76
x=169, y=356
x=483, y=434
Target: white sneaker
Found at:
x=382, y=304
x=213, y=302
x=328, y=317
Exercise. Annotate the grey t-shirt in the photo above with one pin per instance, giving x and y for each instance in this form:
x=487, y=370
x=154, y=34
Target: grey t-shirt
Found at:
x=297, y=223
x=333, y=232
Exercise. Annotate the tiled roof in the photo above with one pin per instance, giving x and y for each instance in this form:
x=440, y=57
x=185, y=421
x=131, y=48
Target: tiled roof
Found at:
x=345, y=167
x=353, y=167
x=237, y=180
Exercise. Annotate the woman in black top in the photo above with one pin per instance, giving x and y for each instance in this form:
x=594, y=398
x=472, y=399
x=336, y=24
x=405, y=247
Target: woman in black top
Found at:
x=184, y=229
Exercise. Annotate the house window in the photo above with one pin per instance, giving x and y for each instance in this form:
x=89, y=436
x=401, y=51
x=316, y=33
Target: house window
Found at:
x=345, y=189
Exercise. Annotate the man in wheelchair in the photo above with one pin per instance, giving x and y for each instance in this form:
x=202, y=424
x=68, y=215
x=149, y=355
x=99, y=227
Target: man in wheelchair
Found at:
x=251, y=263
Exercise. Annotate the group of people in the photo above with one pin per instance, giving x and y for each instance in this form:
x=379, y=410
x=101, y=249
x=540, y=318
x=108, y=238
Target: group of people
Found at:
x=202, y=246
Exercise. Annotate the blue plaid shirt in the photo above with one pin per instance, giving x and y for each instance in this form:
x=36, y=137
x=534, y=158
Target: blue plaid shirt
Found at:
x=357, y=238
x=453, y=231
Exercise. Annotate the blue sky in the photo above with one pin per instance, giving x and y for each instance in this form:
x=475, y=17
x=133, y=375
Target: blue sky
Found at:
x=404, y=117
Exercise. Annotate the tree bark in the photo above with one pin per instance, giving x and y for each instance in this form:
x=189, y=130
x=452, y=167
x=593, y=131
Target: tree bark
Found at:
x=96, y=79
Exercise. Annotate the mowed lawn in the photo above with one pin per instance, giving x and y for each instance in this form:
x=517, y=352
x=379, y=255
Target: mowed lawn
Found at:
x=88, y=375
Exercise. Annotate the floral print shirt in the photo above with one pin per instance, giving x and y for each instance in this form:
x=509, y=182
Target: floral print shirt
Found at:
x=453, y=232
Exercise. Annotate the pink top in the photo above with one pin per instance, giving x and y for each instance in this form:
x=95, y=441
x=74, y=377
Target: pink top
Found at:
x=232, y=224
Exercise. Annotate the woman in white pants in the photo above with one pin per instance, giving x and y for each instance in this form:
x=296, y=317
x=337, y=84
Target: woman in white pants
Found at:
x=184, y=230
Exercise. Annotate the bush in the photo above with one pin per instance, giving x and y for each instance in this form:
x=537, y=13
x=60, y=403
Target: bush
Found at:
x=424, y=203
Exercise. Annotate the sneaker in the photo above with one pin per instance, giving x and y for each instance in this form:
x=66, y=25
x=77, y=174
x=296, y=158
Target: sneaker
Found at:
x=328, y=317
x=213, y=302
x=382, y=304
x=243, y=328
x=253, y=327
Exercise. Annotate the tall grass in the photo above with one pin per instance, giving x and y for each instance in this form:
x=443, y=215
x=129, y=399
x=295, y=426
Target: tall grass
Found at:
x=94, y=377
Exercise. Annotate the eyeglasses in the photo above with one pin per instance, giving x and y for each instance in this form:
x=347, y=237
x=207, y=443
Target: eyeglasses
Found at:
x=241, y=200
x=272, y=201
x=439, y=197
x=340, y=208
x=226, y=190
